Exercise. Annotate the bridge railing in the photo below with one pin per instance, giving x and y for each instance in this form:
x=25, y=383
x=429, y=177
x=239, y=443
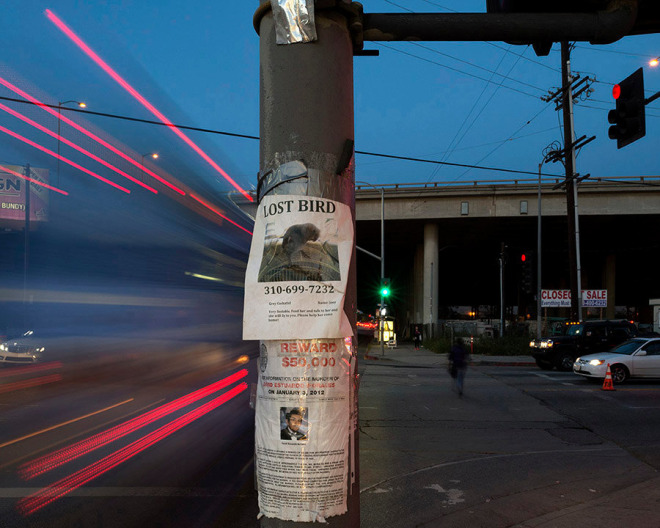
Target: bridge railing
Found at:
x=653, y=181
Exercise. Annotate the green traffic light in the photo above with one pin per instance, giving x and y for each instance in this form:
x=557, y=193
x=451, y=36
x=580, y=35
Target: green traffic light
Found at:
x=384, y=292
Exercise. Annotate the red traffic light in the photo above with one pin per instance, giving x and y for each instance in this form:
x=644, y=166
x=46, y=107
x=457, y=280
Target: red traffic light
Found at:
x=523, y=257
x=616, y=91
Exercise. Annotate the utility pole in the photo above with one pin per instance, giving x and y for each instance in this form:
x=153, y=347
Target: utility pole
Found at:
x=571, y=185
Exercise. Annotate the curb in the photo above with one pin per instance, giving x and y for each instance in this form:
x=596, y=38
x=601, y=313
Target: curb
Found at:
x=504, y=363
x=376, y=358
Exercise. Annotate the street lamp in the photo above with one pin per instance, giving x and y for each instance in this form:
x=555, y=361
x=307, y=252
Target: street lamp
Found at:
x=153, y=155
x=59, y=122
x=654, y=62
x=382, y=256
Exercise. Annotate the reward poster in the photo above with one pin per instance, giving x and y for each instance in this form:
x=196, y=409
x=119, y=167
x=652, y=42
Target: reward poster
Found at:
x=302, y=433
x=297, y=271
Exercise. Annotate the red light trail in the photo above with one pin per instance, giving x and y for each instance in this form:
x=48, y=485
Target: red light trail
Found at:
x=31, y=180
x=42, y=498
x=142, y=100
x=89, y=134
x=73, y=145
x=32, y=382
x=216, y=211
x=58, y=458
x=31, y=369
x=65, y=160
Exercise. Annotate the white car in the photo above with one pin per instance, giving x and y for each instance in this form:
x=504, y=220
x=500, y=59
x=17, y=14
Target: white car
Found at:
x=636, y=358
x=22, y=350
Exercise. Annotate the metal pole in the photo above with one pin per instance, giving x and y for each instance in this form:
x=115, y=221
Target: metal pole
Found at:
x=382, y=264
x=26, y=249
x=502, y=290
x=59, y=124
x=538, y=261
x=382, y=259
x=306, y=113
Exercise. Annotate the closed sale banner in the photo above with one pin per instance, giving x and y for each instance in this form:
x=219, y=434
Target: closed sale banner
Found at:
x=562, y=298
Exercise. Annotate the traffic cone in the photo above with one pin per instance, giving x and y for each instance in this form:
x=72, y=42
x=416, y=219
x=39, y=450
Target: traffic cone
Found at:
x=607, y=382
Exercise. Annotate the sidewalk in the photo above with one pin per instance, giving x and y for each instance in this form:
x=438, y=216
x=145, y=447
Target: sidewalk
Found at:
x=405, y=354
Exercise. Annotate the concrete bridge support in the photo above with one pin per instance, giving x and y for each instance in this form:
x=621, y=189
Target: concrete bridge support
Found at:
x=609, y=283
x=430, y=288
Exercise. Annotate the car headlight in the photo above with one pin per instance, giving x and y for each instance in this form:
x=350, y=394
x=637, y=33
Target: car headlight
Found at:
x=547, y=343
x=3, y=347
x=596, y=362
x=532, y=343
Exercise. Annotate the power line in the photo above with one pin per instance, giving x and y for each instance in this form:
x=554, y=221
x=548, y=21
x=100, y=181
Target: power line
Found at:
x=478, y=67
x=455, y=69
x=464, y=165
x=591, y=48
x=134, y=119
x=510, y=138
x=492, y=95
x=499, y=146
x=246, y=136
x=507, y=50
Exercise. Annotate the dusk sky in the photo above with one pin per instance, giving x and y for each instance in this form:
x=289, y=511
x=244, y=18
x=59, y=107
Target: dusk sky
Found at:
x=197, y=62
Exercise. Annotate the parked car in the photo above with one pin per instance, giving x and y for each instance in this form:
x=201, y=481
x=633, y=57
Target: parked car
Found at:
x=636, y=358
x=21, y=350
x=580, y=339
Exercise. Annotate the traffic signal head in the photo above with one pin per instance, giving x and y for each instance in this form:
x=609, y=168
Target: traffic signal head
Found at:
x=629, y=118
x=527, y=274
x=385, y=288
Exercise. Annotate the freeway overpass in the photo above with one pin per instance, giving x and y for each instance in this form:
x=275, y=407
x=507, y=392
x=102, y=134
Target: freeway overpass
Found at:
x=443, y=243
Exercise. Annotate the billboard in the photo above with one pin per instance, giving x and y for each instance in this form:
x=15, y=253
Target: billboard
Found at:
x=13, y=188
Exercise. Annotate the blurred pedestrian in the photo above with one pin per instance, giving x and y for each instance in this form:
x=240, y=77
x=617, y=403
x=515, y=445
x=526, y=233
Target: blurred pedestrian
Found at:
x=417, y=338
x=458, y=363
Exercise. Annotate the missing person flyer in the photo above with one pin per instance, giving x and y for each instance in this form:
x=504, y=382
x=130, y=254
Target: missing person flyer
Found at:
x=302, y=428
x=297, y=272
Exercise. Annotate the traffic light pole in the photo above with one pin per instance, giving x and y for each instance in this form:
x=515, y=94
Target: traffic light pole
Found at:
x=571, y=186
x=382, y=267
x=382, y=260
x=306, y=116
x=306, y=113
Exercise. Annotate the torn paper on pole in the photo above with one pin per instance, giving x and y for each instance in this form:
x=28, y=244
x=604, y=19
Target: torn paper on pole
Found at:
x=301, y=428
x=294, y=21
x=297, y=272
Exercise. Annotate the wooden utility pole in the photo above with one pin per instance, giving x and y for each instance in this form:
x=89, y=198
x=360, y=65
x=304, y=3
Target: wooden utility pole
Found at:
x=571, y=185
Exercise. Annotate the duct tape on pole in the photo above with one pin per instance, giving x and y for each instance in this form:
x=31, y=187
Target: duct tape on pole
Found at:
x=300, y=287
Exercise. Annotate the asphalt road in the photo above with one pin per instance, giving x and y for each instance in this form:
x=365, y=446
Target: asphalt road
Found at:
x=522, y=447
x=145, y=433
